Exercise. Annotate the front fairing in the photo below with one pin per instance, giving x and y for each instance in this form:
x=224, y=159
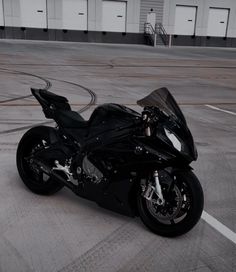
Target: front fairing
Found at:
x=165, y=102
x=171, y=128
x=178, y=137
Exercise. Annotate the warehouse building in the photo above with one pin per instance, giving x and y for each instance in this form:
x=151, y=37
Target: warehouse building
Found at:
x=180, y=22
x=201, y=22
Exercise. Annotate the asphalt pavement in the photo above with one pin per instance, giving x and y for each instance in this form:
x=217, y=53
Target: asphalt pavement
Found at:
x=66, y=233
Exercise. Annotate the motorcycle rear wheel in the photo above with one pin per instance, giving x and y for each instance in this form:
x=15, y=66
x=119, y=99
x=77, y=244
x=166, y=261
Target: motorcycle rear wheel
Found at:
x=182, y=209
x=34, y=179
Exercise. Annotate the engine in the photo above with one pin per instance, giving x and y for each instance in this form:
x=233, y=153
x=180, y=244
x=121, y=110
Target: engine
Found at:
x=91, y=171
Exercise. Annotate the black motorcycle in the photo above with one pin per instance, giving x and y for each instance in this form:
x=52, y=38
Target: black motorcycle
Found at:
x=131, y=163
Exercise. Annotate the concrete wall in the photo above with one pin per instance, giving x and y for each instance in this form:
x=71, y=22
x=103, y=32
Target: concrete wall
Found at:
x=146, y=6
x=54, y=9
x=202, y=14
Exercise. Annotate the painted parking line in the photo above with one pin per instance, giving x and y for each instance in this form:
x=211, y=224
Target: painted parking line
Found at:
x=218, y=109
x=217, y=225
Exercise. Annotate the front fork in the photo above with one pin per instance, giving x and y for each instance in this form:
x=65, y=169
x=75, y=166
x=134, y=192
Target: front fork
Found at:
x=150, y=190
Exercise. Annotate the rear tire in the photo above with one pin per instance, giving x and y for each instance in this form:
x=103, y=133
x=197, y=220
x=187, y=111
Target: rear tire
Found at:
x=187, y=200
x=34, y=179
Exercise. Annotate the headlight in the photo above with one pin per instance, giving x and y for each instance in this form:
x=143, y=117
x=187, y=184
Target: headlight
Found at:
x=175, y=141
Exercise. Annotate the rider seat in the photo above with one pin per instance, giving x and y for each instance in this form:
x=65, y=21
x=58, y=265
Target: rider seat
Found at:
x=72, y=119
x=53, y=97
x=57, y=107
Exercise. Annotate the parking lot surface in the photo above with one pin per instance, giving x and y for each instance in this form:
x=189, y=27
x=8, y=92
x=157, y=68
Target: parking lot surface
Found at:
x=66, y=233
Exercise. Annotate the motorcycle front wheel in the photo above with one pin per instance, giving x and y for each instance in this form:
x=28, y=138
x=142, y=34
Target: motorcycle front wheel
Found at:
x=181, y=210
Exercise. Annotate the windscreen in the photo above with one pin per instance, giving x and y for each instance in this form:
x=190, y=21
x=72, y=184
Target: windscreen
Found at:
x=163, y=100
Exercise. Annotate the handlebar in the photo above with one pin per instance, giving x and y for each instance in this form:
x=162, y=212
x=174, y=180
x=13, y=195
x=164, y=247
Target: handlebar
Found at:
x=149, y=117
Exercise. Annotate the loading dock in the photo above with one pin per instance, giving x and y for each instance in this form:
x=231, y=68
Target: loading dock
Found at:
x=75, y=14
x=33, y=13
x=114, y=16
x=185, y=20
x=218, y=22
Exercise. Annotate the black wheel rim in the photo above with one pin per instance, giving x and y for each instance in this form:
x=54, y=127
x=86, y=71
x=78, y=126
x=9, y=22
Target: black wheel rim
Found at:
x=29, y=170
x=178, y=203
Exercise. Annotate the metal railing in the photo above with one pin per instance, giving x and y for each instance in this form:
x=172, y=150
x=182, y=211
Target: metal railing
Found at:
x=160, y=30
x=151, y=33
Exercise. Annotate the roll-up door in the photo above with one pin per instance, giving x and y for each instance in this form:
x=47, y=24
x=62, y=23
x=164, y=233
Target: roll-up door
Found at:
x=1, y=14
x=185, y=20
x=114, y=16
x=217, y=22
x=75, y=14
x=33, y=13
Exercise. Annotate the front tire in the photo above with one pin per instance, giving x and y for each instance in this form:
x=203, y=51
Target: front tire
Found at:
x=34, y=179
x=182, y=209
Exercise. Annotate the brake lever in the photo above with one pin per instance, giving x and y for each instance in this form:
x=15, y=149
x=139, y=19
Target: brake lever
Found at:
x=146, y=116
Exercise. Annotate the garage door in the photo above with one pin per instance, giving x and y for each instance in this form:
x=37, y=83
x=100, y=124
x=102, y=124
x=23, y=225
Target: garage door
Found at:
x=33, y=13
x=217, y=22
x=75, y=14
x=185, y=20
x=1, y=14
x=114, y=16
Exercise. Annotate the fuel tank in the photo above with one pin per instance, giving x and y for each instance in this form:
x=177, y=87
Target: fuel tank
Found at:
x=108, y=124
x=111, y=117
